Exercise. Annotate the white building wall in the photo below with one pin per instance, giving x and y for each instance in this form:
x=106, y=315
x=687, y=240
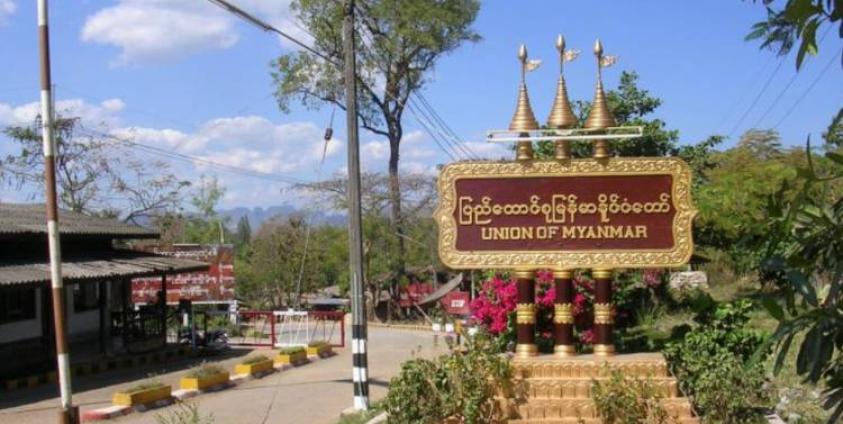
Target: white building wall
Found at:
x=22, y=330
x=80, y=322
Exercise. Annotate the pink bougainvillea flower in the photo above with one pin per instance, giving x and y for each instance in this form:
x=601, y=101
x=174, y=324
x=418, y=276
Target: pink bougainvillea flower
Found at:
x=587, y=337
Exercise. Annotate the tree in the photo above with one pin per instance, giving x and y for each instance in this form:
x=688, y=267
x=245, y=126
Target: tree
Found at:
x=269, y=274
x=93, y=175
x=402, y=41
x=763, y=144
x=808, y=256
x=243, y=234
x=206, y=226
x=418, y=195
x=797, y=22
x=833, y=136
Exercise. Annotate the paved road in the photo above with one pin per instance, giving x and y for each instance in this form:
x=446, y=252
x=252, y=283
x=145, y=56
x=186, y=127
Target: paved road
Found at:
x=315, y=393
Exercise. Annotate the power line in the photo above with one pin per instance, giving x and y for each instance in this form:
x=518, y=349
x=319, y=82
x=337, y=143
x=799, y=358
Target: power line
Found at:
x=757, y=97
x=786, y=87
x=433, y=120
x=448, y=129
x=807, y=90
x=269, y=28
x=744, y=93
x=196, y=159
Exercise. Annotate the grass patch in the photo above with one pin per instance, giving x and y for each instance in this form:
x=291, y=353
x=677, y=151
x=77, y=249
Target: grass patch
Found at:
x=254, y=359
x=204, y=371
x=362, y=417
x=146, y=385
x=291, y=350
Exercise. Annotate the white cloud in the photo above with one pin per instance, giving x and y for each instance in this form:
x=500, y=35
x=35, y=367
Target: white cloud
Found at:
x=157, y=30
x=152, y=30
x=250, y=142
x=7, y=8
x=92, y=115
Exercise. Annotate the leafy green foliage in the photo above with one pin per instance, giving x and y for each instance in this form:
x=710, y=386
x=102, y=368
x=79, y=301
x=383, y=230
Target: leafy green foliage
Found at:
x=797, y=22
x=399, y=42
x=621, y=400
x=459, y=385
x=807, y=257
x=716, y=366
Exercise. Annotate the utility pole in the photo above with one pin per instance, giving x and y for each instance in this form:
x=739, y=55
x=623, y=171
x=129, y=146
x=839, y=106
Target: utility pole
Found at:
x=68, y=414
x=355, y=233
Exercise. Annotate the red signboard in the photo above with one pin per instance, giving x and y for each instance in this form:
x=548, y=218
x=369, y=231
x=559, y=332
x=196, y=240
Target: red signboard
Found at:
x=580, y=213
x=217, y=285
x=456, y=303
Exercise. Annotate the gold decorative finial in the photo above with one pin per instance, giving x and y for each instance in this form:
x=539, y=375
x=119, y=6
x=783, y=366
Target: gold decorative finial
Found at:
x=599, y=117
x=524, y=119
x=561, y=115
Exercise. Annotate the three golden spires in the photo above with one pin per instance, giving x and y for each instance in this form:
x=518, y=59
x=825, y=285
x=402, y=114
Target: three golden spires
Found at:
x=561, y=115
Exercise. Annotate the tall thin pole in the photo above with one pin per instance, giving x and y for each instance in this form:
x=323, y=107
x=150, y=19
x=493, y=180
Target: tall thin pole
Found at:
x=360, y=373
x=68, y=413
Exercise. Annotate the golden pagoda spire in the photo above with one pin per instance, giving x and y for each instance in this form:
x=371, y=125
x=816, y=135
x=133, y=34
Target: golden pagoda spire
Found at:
x=561, y=116
x=524, y=120
x=599, y=117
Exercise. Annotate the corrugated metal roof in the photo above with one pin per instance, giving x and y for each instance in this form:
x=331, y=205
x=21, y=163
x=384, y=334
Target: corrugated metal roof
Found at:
x=31, y=219
x=98, y=266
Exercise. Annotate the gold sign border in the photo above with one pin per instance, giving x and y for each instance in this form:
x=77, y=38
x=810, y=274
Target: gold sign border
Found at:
x=560, y=259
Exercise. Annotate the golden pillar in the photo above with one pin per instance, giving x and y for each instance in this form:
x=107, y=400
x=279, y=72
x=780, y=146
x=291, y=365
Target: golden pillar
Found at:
x=525, y=314
x=563, y=314
x=603, y=315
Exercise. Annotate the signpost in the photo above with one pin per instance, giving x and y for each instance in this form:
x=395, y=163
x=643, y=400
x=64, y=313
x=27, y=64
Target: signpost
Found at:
x=592, y=215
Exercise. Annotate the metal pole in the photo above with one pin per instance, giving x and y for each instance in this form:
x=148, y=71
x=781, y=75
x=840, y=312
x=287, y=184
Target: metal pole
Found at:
x=68, y=413
x=360, y=373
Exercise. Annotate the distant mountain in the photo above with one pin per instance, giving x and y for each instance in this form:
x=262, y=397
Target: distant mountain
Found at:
x=259, y=215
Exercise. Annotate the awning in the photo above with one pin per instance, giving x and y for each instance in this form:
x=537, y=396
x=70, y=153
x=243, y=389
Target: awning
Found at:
x=442, y=290
x=96, y=267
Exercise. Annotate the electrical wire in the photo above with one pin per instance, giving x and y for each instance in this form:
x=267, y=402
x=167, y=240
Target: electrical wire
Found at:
x=195, y=159
x=757, y=97
x=807, y=90
x=786, y=87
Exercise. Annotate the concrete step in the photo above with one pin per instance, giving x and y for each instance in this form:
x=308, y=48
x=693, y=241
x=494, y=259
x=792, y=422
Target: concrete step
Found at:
x=579, y=387
x=555, y=409
x=590, y=366
x=691, y=420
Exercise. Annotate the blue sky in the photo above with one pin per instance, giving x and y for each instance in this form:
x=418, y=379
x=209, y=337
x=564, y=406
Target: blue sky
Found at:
x=184, y=76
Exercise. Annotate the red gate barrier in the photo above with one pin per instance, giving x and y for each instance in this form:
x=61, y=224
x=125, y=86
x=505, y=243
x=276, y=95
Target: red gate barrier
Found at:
x=263, y=328
x=255, y=328
x=328, y=321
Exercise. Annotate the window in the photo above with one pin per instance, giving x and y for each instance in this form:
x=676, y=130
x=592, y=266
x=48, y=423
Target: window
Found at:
x=85, y=297
x=17, y=304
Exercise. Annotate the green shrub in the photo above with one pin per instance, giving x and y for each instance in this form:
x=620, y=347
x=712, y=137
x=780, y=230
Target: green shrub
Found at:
x=254, y=359
x=292, y=350
x=205, y=370
x=146, y=385
x=317, y=343
x=716, y=368
x=621, y=400
x=459, y=385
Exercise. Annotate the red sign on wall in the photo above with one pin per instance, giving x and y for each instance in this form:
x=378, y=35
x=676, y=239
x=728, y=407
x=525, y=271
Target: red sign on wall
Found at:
x=217, y=285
